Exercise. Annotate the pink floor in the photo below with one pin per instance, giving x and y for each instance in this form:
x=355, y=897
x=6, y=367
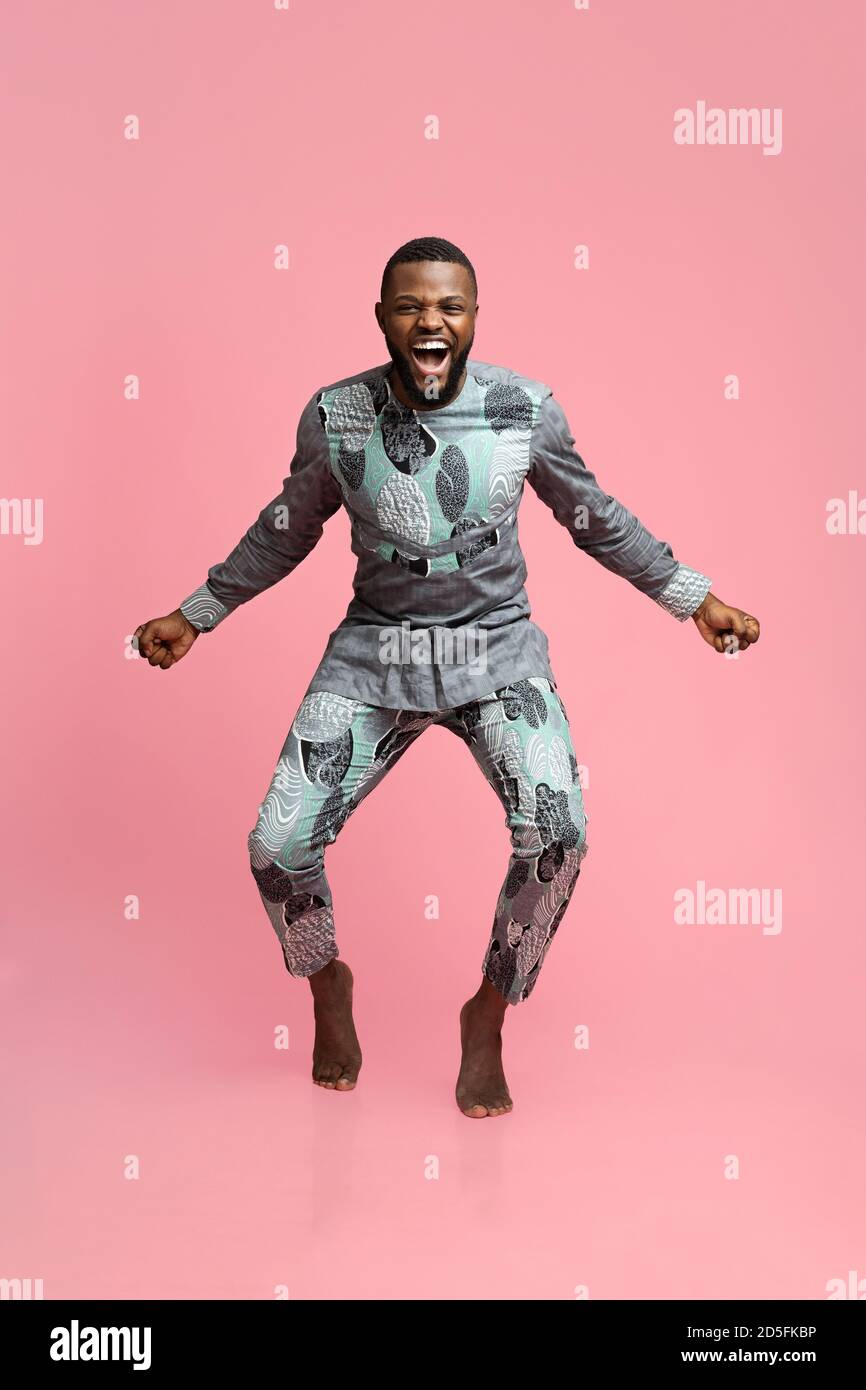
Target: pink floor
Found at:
x=259, y=1179
x=608, y=1175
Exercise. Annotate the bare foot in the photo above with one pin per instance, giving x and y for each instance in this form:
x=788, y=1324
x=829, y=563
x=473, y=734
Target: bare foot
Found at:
x=336, y=1050
x=481, y=1086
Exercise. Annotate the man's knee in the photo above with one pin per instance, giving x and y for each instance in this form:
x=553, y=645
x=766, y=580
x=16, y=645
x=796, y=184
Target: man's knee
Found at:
x=555, y=833
x=280, y=859
x=296, y=835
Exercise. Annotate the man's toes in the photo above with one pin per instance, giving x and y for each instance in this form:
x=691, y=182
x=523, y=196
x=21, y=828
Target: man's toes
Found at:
x=492, y=1105
x=476, y=1111
x=327, y=1073
x=499, y=1107
x=336, y=1076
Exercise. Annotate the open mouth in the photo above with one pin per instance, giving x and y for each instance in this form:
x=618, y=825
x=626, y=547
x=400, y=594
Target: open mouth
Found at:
x=432, y=356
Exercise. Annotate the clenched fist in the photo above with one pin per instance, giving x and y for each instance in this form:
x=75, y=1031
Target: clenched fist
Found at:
x=725, y=628
x=164, y=641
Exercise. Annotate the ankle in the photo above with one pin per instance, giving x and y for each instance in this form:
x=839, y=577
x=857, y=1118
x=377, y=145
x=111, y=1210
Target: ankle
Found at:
x=487, y=1007
x=327, y=976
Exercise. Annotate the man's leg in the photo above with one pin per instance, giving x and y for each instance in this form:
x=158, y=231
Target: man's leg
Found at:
x=521, y=740
x=336, y=752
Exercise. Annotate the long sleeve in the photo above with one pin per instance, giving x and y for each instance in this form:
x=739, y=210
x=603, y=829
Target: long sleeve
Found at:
x=285, y=531
x=601, y=525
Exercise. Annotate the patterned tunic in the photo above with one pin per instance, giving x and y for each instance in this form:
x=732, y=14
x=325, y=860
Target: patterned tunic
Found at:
x=440, y=614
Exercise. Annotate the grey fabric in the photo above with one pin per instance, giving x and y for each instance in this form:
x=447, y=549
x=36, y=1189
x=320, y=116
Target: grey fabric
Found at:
x=434, y=496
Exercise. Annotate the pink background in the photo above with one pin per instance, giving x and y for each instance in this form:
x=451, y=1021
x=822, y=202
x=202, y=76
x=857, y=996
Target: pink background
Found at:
x=155, y=1037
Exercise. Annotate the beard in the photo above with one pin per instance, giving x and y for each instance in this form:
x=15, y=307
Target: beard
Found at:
x=447, y=390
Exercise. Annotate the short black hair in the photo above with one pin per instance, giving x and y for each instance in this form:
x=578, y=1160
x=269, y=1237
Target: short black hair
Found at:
x=428, y=248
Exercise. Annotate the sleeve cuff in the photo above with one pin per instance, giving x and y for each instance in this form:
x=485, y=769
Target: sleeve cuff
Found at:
x=203, y=609
x=684, y=592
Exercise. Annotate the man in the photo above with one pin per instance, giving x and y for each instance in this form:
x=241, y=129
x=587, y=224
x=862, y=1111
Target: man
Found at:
x=428, y=453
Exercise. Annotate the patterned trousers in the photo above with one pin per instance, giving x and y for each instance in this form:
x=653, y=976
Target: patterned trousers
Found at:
x=338, y=750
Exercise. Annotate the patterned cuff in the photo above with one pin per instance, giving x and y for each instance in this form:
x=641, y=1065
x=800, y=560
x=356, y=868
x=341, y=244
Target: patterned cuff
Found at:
x=684, y=592
x=203, y=609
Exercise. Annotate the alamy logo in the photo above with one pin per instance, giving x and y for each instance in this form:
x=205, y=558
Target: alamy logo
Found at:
x=11, y=1289
x=720, y=906
x=22, y=516
x=75, y=1343
x=466, y=646
x=846, y=518
x=853, y=1287
x=740, y=125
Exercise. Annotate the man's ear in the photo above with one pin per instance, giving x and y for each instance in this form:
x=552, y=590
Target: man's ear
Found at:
x=377, y=310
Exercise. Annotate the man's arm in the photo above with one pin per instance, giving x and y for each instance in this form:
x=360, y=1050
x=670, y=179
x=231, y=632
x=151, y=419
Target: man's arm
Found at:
x=285, y=531
x=614, y=536
x=601, y=525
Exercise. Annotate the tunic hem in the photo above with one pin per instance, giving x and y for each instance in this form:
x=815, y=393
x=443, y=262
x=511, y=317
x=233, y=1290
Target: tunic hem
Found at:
x=513, y=653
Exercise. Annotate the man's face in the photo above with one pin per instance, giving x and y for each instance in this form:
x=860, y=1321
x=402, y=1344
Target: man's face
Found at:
x=428, y=302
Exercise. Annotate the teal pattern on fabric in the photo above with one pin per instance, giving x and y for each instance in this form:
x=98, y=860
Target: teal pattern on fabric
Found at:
x=339, y=749
x=399, y=470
